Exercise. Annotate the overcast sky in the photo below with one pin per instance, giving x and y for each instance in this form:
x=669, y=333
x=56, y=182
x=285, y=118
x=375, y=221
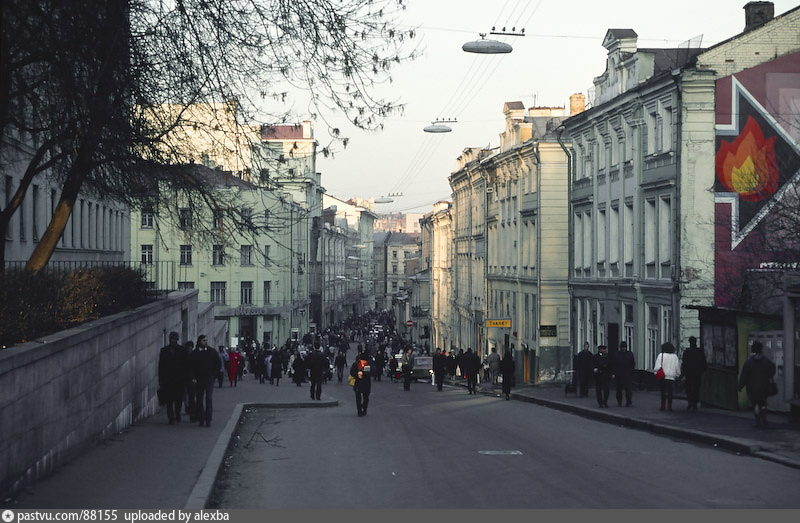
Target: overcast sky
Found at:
x=560, y=55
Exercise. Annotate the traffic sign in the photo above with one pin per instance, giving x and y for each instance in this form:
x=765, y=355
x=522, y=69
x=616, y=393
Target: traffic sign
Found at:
x=498, y=323
x=410, y=323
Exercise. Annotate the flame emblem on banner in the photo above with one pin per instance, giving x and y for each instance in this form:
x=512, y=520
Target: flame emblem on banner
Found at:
x=747, y=165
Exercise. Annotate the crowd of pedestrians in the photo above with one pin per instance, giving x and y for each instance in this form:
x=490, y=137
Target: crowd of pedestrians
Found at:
x=757, y=375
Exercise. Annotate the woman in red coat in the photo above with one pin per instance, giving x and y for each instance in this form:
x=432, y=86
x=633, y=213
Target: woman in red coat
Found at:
x=234, y=363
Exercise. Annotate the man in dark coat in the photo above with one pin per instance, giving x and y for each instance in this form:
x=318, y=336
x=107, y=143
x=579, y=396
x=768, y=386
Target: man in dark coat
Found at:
x=439, y=368
x=317, y=365
x=756, y=375
x=622, y=366
x=507, y=371
x=602, y=376
x=340, y=362
x=471, y=366
x=173, y=372
x=205, y=363
x=583, y=364
x=693, y=365
x=298, y=369
x=380, y=363
x=361, y=370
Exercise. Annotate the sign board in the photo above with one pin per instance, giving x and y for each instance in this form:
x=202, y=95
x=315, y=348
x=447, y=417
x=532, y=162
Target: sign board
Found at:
x=548, y=331
x=410, y=323
x=499, y=323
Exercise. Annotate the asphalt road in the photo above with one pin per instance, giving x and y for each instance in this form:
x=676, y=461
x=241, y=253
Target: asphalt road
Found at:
x=432, y=450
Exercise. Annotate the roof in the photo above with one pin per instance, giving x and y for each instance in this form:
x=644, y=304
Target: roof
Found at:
x=282, y=132
x=403, y=238
x=514, y=105
x=206, y=175
x=379, y=237
x=671, y=58
x=621, y=33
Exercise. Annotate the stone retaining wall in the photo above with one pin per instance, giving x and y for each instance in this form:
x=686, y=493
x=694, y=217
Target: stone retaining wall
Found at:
x=67, y=391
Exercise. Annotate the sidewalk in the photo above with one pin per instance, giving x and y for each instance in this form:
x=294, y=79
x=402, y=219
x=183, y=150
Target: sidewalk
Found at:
x=155, y=465
x=732, y=430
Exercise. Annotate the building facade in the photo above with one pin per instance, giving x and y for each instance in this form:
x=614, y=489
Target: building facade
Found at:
x=437, y=244
x=469, y=251
x=527, y=243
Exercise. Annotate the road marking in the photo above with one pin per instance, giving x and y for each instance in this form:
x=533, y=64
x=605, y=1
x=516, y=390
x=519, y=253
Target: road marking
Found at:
x=501, y=452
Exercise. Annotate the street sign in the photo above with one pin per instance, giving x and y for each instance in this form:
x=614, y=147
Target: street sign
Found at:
x=499, y=323
x=548, y=331
x=410, y=323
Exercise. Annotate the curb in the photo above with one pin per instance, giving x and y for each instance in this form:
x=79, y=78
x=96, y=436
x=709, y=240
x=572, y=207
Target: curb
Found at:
x=742, y=446
x=204, y=485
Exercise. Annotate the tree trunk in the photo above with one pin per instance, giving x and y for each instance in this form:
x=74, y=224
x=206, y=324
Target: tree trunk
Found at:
x=44, y=249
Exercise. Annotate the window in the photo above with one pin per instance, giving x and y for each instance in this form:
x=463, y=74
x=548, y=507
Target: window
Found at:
x=247, y=255
x=147, y=254
x=218, y=255
x=217, y=220
x=147, y=219
x=664, y=236
x=218, y=292
x=628, y=323
x=652, y=335
x=267, y=292
x=650, y=236
x=185, y=218
x=263, y=175
x=185, y=285
x=21, y=213
x=186, y=254
x=577, y=246
x=601, y=237
x=613, y=236
x=266, y=219
x=247, y=293
x=587, y=244
x=627, y=248
x=667, y=130
x=267, y=249
x=394, y=286
x=394, y=254
x=394, y=268
x=35, y=213
x=666, y=323
x=247, y=218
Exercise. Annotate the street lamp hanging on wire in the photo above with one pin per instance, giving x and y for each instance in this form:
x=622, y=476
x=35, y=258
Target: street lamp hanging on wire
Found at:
x=438, y=126
x=484, y=46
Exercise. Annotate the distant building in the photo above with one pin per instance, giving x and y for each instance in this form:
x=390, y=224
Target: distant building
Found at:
x=398, y=222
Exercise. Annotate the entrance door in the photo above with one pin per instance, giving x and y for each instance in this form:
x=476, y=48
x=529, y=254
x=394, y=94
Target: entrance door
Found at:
x=247, y=327
x=612, y=335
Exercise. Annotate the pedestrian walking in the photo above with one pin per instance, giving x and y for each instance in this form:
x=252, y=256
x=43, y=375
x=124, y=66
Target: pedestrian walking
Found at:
x=602, y=375
x=392, y=368
x=583, y=364
x=223, y=365
x=234, y=362
x=757, y=377
x=173, y=367
x=623, y=365
x=669, y=363
x=380, y=363
x=298, y=369
x=317, y=365
x=205, y=365
x=508, y=372
x=406, y=367
x=275, y=368
x=494, y=365
x=340, y=362
x=471, y=366
x=361, y=370
x=439, y=368
x=693, y=365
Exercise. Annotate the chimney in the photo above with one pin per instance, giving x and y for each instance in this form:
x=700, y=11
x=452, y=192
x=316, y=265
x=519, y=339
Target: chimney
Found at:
x=577, y=104
x=757, y=13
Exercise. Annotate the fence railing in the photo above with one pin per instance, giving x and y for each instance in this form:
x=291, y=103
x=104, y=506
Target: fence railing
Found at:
x=160, y=275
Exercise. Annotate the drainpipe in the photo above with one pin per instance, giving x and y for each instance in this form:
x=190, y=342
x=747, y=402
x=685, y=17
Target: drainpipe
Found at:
x=570, y=231
x=538, y=168
x=675, y=273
